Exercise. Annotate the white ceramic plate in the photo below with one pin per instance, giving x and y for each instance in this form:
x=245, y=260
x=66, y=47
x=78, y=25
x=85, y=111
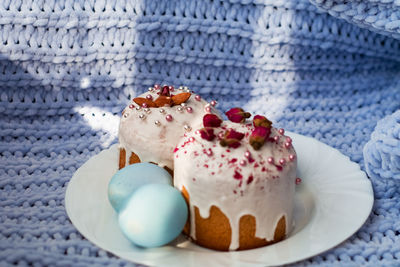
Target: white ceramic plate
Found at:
x=332, y=202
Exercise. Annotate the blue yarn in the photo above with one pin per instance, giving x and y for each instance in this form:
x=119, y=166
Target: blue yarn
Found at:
x=382, y=16
x=68, y=68
x=382, y=152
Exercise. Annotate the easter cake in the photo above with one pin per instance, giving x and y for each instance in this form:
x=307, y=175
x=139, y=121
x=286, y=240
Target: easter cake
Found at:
x=238, y=179
x=153, y=123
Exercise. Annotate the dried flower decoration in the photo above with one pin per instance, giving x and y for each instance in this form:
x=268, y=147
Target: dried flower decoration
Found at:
x=231, y=138
x=237, y=115
x=260, y=120
x=258, y=136
x=211, y=120
x=207, y=134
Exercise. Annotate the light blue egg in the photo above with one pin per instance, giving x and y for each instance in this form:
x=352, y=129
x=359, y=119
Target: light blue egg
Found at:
x=130, y=178
x=154, y=215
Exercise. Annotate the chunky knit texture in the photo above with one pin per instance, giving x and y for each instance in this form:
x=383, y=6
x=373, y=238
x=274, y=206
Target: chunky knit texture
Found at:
x=382, y=16
x=67, y=68
x=382, y=152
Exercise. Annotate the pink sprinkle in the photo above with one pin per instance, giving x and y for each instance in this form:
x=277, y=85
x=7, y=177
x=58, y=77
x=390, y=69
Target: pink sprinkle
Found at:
x=205, y=165
x=212, y=173
x=221, y=135
x=237, y=176
x=149, y=97
x=263, y=169
x=144, y=105
x=197, y=97
x=189, y=109
x=209, y=152
x=194, y=179
x=256, y=165
x=281, y=131
x=242, y=163
x=250, y=179
x=228, y=150
x=298, y=180
x=292, y=157
x=176, y=149
x=169, y=117
x=232, y=160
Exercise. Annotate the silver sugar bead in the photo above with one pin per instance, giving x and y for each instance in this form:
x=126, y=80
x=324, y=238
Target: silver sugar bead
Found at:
x=187, y=128
x=147, y=110
x=183, y=104
x=142, y=116
x=157, y=122
x=151, y=89
x=162, y=110
x=180, y=109
x=138, y=108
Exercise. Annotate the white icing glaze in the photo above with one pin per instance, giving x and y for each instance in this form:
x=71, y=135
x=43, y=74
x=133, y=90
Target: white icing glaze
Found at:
x=210, y=180
x=155, y=143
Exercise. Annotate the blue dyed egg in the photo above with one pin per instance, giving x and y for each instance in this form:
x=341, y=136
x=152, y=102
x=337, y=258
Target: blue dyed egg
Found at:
x=154, y=215
x=130, y=178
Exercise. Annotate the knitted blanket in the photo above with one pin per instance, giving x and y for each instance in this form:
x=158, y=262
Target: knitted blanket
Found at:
x=67, y=69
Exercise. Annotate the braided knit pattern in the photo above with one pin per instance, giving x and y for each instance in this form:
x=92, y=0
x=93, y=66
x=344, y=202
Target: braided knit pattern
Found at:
x=382, y=16
x=382, y=152
x=67, y=69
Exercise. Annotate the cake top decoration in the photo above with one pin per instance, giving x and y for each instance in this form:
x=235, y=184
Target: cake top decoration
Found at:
x=237, y=115
x=163, y=100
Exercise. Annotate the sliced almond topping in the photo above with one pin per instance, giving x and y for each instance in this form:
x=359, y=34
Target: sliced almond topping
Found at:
x=141, y=100
x=180, y=98
x=162, y=101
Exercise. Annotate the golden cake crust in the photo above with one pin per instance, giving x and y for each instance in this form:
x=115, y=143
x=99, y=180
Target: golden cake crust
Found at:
x=215, y=231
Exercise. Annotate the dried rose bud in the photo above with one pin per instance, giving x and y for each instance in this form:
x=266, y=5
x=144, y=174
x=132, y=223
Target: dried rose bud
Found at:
x=165, y=91
x=258, y=137
x=233, y=143
x=232, y=134
x=260, y=120
x=231, y=138
x=211, y=120
x=237, y=115
x=207, y=134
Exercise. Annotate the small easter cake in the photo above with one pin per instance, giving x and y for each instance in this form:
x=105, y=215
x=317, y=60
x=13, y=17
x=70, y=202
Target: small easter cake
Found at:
x=154, y=122
x=238, y=179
